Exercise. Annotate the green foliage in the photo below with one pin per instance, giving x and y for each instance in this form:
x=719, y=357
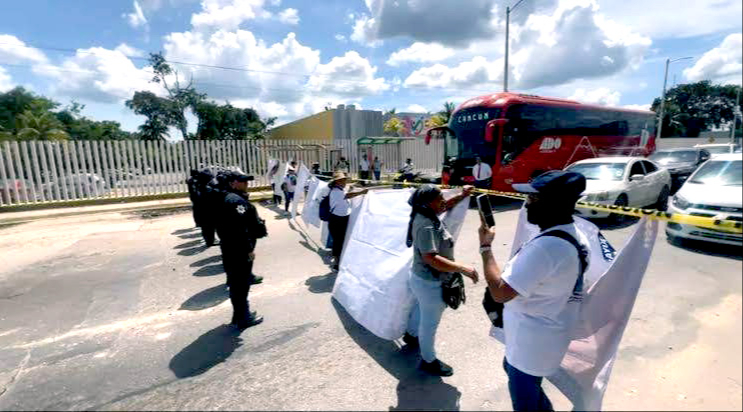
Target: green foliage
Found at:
x=696, y=107
x=447, y=112
x=219, y=122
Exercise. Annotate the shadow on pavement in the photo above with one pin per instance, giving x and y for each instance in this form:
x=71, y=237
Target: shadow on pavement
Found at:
x=325, y=255
x=206, y=298
x=206, y=261
x=182, y=231
x=322, y=284
x=209, y=350
x=193, y=251
x=189, y=244
x=210, y=270
x=415, y=390
x=196, y=235
x=708, y=248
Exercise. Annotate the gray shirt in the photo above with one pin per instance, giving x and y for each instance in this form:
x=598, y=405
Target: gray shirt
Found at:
x=427, y=239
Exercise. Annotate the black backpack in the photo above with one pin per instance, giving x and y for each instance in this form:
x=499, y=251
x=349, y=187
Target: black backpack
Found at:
x=494, y=309
x=325, y=207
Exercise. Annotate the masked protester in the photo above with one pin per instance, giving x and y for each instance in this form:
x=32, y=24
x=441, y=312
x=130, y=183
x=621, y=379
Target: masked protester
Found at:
x=433, y=261
x=541, y=286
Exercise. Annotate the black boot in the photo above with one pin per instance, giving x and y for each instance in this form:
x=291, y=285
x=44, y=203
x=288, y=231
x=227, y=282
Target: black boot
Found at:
x=436, y=368
x=256, y=280
x=252, y=320
x=411, y=341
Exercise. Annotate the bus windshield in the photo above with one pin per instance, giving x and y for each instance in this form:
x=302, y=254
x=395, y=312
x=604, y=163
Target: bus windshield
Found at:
x=469, y=133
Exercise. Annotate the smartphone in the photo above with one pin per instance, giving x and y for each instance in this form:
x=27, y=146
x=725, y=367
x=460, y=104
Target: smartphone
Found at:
x=486, y=210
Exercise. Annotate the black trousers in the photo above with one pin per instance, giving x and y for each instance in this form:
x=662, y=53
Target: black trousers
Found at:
x=364, y=175
x=337, y=226
x=207, y=231
x=288, y=197
x=239, y=271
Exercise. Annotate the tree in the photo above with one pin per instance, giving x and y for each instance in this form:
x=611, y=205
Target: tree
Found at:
x=445, y=114
x=695, y=107
x=218, y=122
x=391, y=112
x=393, y=126
x=41, y=126
x=436, y=120
x=153, y=129
x=16, y=101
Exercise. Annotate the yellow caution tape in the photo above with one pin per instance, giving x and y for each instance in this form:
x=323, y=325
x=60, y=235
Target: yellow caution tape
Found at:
x=722, y=225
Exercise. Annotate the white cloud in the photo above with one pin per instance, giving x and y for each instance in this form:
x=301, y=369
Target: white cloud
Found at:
x=130, y=51
x=276, y=3
x=645, y=107
x=341, y=38
x=14, y=51
x=289, y=16
x=416, y=108
x=227, y=14
x=420, y=53
x=136, y=18
x=99, y=75
x=349, y=75
x=446, y=22
x=570, y=42
x=6, y=83
x=723, y=64
x=602, y=96
x=672, y=18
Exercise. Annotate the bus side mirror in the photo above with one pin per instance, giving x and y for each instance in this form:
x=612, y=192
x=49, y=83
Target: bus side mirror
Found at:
x=492, y=127
x=434, y=132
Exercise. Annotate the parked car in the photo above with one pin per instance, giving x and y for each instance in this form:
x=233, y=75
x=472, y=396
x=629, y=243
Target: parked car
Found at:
x=717, y=149
x=15, y=191
x=714, y=190
x=623, y=181
x=89, y=182
x=681, y=163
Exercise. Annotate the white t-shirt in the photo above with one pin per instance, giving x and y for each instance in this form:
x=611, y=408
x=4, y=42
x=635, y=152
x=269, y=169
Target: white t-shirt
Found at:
x=482, y=171
x=364, y=165
x=538, y=322
x=290, y=183
x=339, y=205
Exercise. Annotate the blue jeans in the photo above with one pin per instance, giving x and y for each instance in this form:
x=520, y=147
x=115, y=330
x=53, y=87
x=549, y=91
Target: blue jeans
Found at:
x=426, y=315
x=526, y=390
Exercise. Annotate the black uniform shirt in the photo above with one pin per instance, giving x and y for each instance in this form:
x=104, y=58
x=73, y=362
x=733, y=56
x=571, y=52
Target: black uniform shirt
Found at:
x=236, y=218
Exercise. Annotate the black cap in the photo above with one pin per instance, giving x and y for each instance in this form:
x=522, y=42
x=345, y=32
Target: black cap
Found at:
x=237, y=176
x=557, y=184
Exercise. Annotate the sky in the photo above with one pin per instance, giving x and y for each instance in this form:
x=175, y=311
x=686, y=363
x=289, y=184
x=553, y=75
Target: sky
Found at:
x=291, y=58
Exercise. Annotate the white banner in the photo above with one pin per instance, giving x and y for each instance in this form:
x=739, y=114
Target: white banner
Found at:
x=302, y=177
x=372, y=283
x=611, y=283
x=311, y=209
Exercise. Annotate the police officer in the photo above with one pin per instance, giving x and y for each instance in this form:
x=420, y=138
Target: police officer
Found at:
x=209, y=199
x=239, y=227
x=191, y=183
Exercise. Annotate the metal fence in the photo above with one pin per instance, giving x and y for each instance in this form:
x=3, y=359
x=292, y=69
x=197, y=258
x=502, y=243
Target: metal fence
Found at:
x=43, y=171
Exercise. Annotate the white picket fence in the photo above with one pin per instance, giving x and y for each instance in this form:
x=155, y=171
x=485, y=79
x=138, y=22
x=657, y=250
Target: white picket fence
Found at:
x=43, y=171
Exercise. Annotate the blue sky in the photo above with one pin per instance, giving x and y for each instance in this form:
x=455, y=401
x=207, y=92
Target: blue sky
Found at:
x=297, y=56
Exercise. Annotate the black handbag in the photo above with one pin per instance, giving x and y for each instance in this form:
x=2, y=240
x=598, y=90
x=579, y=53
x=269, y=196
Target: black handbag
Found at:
x=452, y=290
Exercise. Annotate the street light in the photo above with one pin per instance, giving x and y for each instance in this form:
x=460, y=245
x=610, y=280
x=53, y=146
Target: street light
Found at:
x=663, y=96
x=505, y=63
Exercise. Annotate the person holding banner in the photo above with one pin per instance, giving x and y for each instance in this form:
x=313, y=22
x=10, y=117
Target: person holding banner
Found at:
x=541, y=287
x=340, y=210
x=433, y=260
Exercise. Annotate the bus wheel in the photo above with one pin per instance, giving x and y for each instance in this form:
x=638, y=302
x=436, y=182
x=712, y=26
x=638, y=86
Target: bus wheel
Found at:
x=621, y=201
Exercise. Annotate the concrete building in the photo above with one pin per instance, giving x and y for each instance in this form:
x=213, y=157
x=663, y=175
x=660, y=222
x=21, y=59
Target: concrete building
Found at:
x=341, y=123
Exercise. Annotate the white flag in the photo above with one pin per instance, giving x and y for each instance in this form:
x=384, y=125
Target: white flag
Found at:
x=311, y=210
x=372, y=283
x=611, y=283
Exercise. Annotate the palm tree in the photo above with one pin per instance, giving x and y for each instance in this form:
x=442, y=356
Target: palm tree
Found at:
x=153, y=129
x=44, y=126
x=5, y=135
x=447, y=112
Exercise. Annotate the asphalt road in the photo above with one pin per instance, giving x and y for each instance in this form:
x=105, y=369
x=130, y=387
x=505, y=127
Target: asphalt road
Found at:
x=128, y=311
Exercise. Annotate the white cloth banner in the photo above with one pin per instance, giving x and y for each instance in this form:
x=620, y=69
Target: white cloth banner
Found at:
x=302, y=176
x=372, y=283
x=611, y=283
x=278, y=179
x=311, y=210
x=271, y=164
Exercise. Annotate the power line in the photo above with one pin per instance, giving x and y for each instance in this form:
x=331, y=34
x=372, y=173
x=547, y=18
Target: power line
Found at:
x=240, y=69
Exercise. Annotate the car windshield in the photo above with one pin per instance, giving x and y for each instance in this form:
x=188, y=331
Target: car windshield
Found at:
x=675, y=156
x=599, y=171
x=719, y=172
x=717, y=149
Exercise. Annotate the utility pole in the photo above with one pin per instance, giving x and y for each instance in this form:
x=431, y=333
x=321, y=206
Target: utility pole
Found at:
x=663, y=96
x=736, y=116
x=505, y=59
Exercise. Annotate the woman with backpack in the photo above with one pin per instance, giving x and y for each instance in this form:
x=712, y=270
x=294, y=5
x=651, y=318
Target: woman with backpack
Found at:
x=340, y=210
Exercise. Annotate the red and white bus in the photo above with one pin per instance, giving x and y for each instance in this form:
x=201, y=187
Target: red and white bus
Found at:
x=522, y=136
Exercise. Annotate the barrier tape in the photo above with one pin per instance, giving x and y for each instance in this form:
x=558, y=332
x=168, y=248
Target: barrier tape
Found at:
x=720, y=225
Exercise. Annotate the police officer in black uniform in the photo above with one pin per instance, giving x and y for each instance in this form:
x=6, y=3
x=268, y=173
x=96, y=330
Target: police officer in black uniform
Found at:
x=239, y=227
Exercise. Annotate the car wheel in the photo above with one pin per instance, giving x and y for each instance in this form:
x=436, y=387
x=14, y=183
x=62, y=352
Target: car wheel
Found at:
x=621, y=201
x=663, y=199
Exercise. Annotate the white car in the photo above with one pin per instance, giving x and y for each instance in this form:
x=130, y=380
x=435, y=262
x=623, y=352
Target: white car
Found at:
x=714, y=190
x=716, y=149
x=623, y=181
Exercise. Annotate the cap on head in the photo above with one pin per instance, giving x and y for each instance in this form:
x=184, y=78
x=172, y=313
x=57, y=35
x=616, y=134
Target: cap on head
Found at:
x=237, y=177
x=557, y=184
